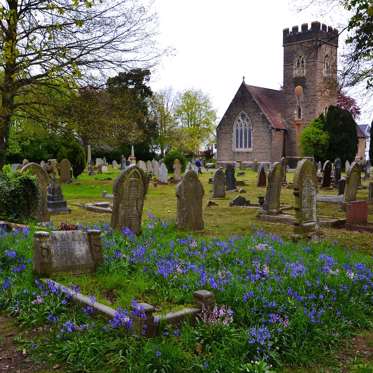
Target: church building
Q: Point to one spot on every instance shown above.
(261, 124)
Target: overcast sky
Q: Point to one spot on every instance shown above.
(217, 42)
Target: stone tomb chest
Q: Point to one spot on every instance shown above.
(67, 251)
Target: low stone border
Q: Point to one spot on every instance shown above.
(149, 325)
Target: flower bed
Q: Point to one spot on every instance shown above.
(277, 302)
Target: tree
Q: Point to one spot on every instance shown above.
(162, 108)
(348, 103)
(315, 140)
(371, 143)
(196, 117)
(47, 40)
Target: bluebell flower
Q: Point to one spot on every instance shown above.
(10, 253)
(6, 283)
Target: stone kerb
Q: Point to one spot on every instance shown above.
(305, 194)
(42, 181)
(129, 190)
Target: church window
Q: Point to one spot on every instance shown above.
(327, 69)
(242, 132)
(299, 111)
(300, 66)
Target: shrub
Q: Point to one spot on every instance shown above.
(171, 156)
(315, 140)
(17, 195)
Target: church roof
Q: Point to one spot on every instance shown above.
(271, 103)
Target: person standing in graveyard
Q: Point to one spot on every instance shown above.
(199, 166)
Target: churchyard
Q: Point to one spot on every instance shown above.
(204, 285)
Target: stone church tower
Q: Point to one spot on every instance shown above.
(310, 77)
(261, 124)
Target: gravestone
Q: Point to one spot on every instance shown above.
(337, 170)
(326, 175)
(99, 162)
(189, 193)
(305, 193)
(114, 164)
(141, 164)
(104, 168)
(163, 174)
(56, 202)
(64, 168)
(149, 167)
(177, 170)
(52, 168)
(89, 154)
(132, 157)
(43, 165)
(129, 192)
(239, 201)
(367, 167)
(347, 166)
(219, 184)
(271, 205)
(284, 168)
(370, 192)
(66, 251)
(155, 168)
(230, 178)
(353, 180)
(42, 181)
(319, 169)
(123, 162)
(262, 177)
(341, 184)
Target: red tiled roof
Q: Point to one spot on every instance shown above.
(271, 102)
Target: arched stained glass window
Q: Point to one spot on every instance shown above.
(242, 132)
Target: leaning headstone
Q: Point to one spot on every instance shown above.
(230, 178)
(64, 168)
(239, 201)
(347, 166)
(163, 174)
(262, 177)
(66, 251)
(56, 202)
(177, 170)
(42, 181)
(305, 193)
(155, 168)
(271, 205)
(353, 180)
(327, 174)
(129, 192)
(219, 184)
(189, 193)
(337, 170)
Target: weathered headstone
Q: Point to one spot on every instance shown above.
(337, 170)
(99, 162)
(129, 192)
(189, 193)
(141, 164)
(42, 181)
(155, 168)
(114, 164)
(66, 251)
(52, 168)
(104, 169)
(262, 177)
(353, 180)
(341, 184)
(327, 174)
(163, 174)
(305, 193)
(123, 162)
(230, 178)
(319, 169)
(56, 202)
(89, 154)
(219, 184)
(149, 167)
(177, 170)
(239, 201)
(271, 204)
(64, 168)
(370, 192)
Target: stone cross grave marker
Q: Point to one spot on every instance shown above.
(219, 184)
(230, 178)
(262, 177)
(327, 174)
(66, 251)
(189, 193)
(42, 181)
(64, 168)
(163, 173)
(129, 192)
(271, 204)
(177, 170)
(305, 193)
(353, 180)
